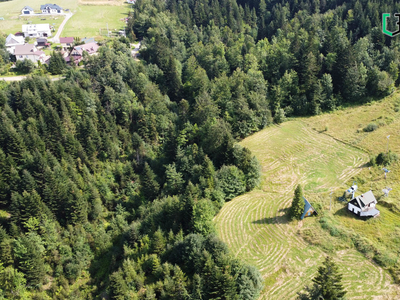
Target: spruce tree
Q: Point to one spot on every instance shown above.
(297, 208)
(327, 283)
(150, 185)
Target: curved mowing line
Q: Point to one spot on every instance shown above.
(254, 225)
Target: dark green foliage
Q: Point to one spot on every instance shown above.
(327, 283)
(297, 208)
(56, 63)
(371, 127)
(385, 159)
(231, 181)
(25, 66)
(149, 183)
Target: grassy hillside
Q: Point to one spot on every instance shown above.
(89, 16)
(288, 253)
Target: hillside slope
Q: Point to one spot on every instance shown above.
(256, 228)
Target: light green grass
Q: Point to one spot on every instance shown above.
(88, 20)
(15, 25)
(256, 228)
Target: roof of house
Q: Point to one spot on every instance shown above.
(27, 49)
(51, 6)
(66, 40)
(370, 213)
(307, 206)
(13, 40)
(88, 40)
(90, 48)
(35, 27)
(366, 198)
(28, 8)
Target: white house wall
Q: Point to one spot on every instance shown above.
(354, 208)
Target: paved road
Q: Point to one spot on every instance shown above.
(19, 78)
(56, 38)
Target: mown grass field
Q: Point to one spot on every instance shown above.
(89, 19)
(89, 16)
(287, 253)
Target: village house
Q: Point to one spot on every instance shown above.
(36, 30)
(77, 53)
(12, 41)
(29, 51)
(364, 205)
(27, 10)
(66, 42)
(51, 9)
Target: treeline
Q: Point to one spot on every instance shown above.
(304, 58)
(109, 186)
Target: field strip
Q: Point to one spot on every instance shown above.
(255, 225)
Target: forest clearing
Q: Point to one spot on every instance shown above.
(255, 225)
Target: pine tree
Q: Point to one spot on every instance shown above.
(297, 208)
(327, 283)
(150, 185)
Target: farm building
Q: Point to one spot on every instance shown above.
(51, 9)
(27, 10)
(36, 30)
(364, 205)
(42, 42)
(308, 209)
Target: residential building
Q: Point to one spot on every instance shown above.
(364, 205)
(29, 51)
(66, 42)
(77, 53)
(51, 9)
(27, 10)
(12, 41)
(36, 30)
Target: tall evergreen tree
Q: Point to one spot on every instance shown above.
(297, 208)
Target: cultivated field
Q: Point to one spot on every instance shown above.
(257, 230)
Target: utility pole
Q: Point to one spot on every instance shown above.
(388, 144)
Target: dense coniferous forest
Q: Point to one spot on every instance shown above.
(110, 179)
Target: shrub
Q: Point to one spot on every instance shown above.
(371, 127)
(231, 181)
(385, 159)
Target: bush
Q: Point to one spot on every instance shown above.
(231, 181)
(371, 127)
(25, 66)
(385, 159)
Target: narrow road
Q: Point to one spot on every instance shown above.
(19, 78)
(56, 38)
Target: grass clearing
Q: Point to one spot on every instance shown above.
(287, 253)
(89, 16)
(88, 20)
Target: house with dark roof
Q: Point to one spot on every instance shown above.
(51, 9)
(308, 209)
(29, 51)
(27, 10)
(66, 42)
(364, 205)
